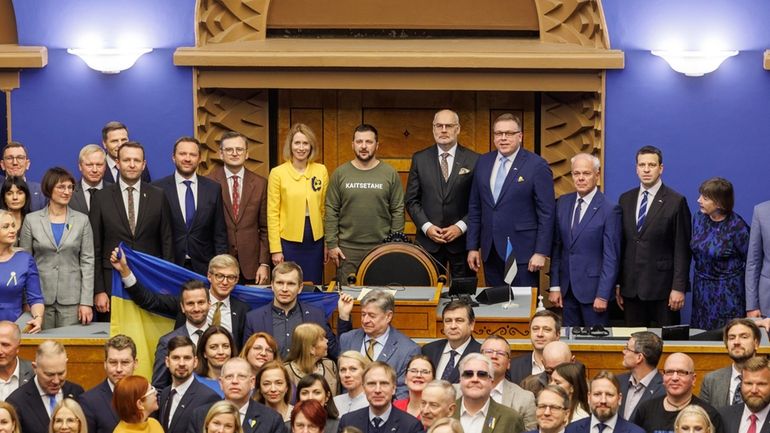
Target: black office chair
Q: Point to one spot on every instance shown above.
(397, 263)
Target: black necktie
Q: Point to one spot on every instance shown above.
(450, 366)
(91, 192)
(166, 418)
(377, 421)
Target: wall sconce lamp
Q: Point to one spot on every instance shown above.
(694, 63)
(109, 60)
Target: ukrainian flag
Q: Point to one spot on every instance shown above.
(162, 277)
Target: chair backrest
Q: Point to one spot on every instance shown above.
(397, 263)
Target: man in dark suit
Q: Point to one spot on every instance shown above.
(544, 328)
(225, 310)
(244, 195)
(723, 387)
(380, 416)
(751, 415)
(604, 399)
(445, 354)
(476, 385)
(35, 400)
(512, 199)
(437, 193)
(177, 402)
(114, 135)
(586, 248)
(10, 340)
(120, 361)
(16, 162)
(285, 313)
(92, 164)
(130, 211)
(237, 383)
(643, 381)
(378, 340)
(655, 272)
(552, 410)
(438, 398)
(197, 214)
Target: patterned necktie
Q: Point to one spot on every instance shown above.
(236, 197)
(450, 366)
(370, 348)
(91, 192)
(500, 178)
(189, 204)
(737, 397)
(753, 425)
(642, 212)
(131, 209)
(216, 320)
(445, 166)
(576, 218)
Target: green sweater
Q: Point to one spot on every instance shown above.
(363, 206)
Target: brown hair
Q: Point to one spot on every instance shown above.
(272, 365)
(720, 191)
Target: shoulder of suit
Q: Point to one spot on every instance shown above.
(250, 175)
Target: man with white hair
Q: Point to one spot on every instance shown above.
(438, 401)
(586, 248)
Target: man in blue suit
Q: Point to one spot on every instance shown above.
(512, 199)
(120, 361)
(604, 400)
(586, 248)
(380, 416)
(197, 212)
(16, 162)
(379, 341)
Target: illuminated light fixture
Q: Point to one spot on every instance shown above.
(109, 60)
(694, 63)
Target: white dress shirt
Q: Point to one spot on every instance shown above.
(381, 340)
(85, 186)
(45, 399)
(444, 360)
(180, 390)
(745, 422)
(650, 196)
(473, 423)
(610, 423)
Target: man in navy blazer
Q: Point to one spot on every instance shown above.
(280, 317)
(445, 354)
(237, 383)
(380, 416)
(120, 361)
(379, 341)
(50, 379)
(114, 135)
(511, 199)
(643, 381)
(586, 248)
(177, 402)
(197, 212)
(604, 399)
(544, 328)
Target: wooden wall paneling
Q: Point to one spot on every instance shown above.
(230, 21)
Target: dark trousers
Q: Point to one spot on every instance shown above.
(576, 314)
(457, 263)
(649, 313)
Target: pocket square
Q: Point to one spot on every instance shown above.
(463, 171)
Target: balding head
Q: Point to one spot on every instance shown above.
(678, 376)
(555, 353)
(10, 340)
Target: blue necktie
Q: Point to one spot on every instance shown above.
(642, 211)
(576, 218)
(450, 366)
(601, 426)
(52, 402)
(189, 204)
(500, 178)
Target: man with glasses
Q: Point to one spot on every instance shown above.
(658, 414)
(643, 382)
(458, 319)
(438, 401)
(91, 164)
(552, 410)
(437, 194)
(723, 387)
(604, 399)
(381, 415)
(114, 135)
(511, 203)
(237, 382)
(244, 195)
(505, 392)
(476, 410)
(16, 162)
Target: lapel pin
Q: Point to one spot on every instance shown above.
(520, 179)
(252, 423)
(491, 423)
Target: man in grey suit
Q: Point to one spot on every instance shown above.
(504, 391)
(377, 339)
(643, 381)
(758, 263)
(750, 416)
(10, 379)
(722, 387)
(92, 165)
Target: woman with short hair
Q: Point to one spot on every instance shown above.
(134, 399)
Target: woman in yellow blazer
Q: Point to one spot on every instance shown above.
(296, 191)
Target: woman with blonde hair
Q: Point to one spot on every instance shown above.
(308, 355)
(351, 373)
(446, 425)
(693, 419)
(68, 417)
(19, 278)
(223, 417)
(259, 349)
(296, 192)
(9, 418)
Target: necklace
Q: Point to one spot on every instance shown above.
(678, 407)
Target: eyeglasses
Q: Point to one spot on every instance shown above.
(64, 188)
(150, 392)
(677, 372)
(20, 158)
(238, 377)
(551, 407)
(481, 374)
(630, 349)
(234, 150)
(440, 126)
(490, 352)
(508, 134)
(222, 277)
(262, 349)
(419, 372)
